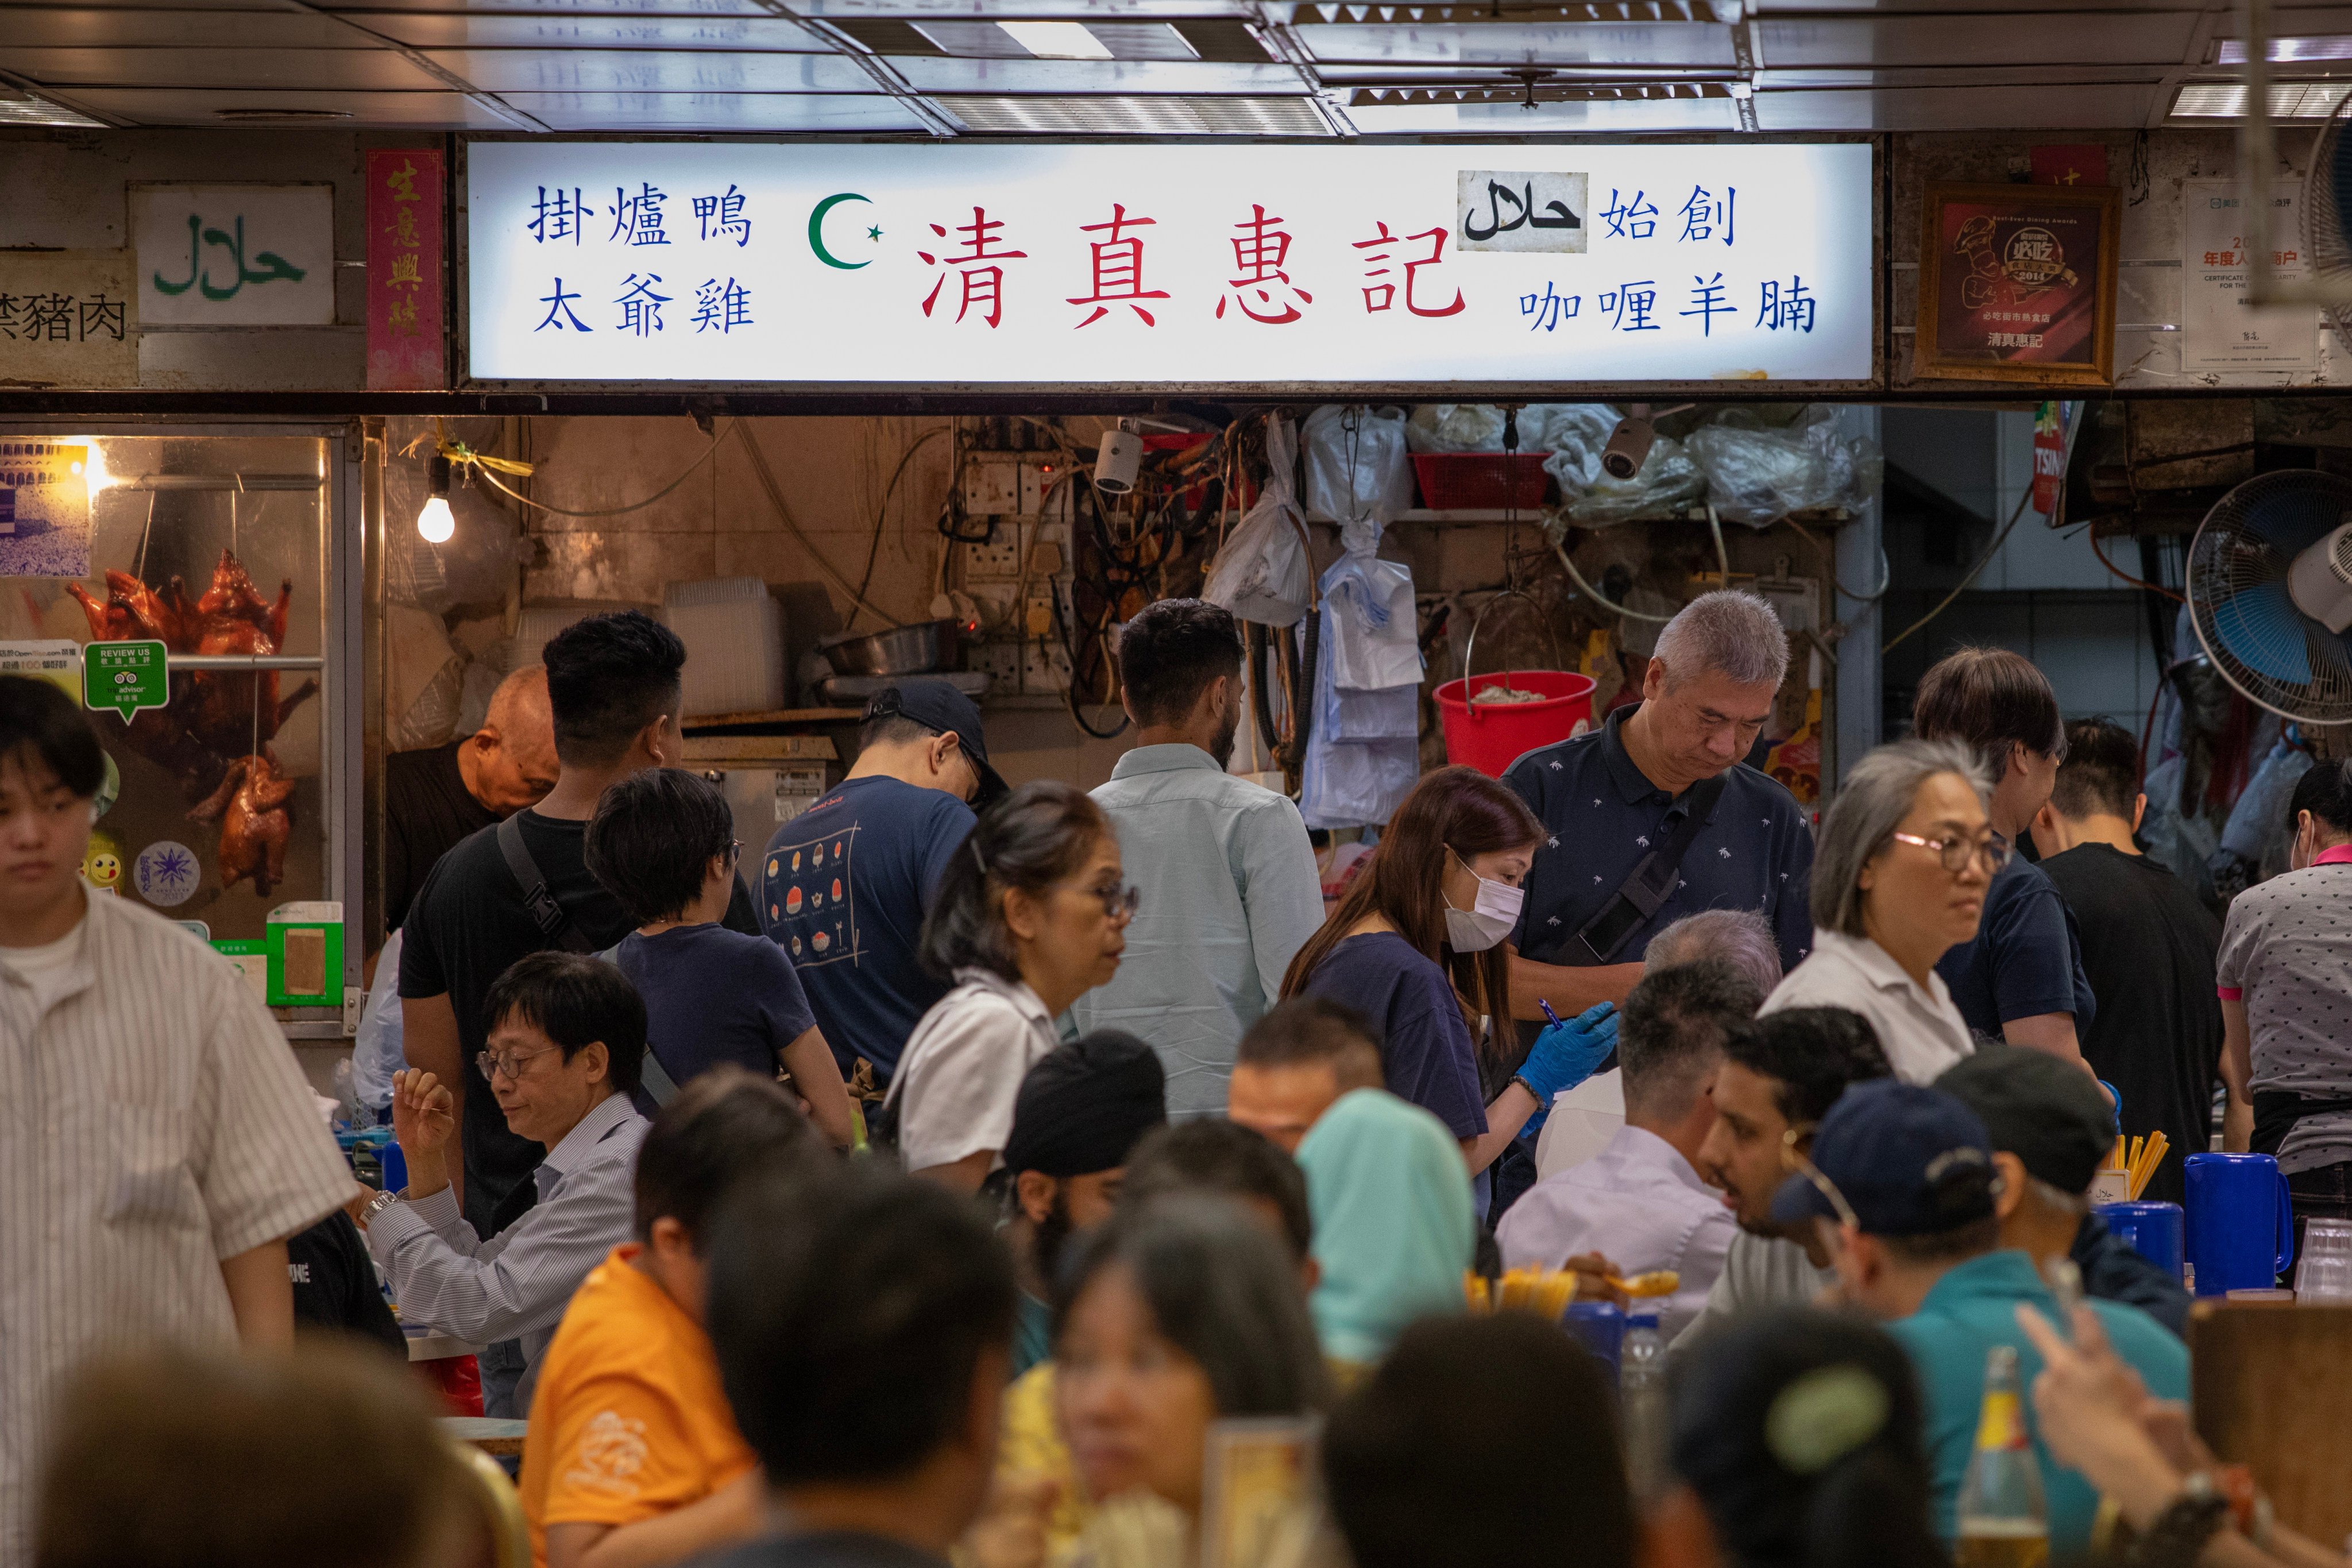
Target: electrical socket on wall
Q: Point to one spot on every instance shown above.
(999, 661)
(1044, 668)
(999, 558)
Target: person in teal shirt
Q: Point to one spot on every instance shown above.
(1902, 1182)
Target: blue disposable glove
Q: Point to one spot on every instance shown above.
(1566, 1054)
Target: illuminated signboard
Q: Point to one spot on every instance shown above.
(1177, 264)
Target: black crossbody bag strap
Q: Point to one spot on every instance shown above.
(1645, 891)
(546, 914)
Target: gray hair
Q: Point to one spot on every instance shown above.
(1740, 937)
(1871, 804)
(1735, 634)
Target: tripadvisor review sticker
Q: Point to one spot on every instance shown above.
(125, 676)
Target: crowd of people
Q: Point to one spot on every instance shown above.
(936, 1184)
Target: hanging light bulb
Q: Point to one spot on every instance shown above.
(436, 522)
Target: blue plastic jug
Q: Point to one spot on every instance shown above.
(2240, 1223)
(2154, 1230)
(1600, 1325)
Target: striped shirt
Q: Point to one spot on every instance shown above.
(152, 1122)
(516, 1284)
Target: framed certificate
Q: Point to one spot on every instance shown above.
(2017, 283)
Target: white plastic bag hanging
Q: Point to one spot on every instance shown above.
(1369, 640)
(1357, 463)
(1262, 573)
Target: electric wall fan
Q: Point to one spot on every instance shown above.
(2327, 205)
(2270, 593)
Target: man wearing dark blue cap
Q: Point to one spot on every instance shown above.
(843, 886)
(1903, 1183)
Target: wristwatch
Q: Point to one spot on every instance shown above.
(2177, 1537)
(376, 1205)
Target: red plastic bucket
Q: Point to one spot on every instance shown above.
(1491, 736)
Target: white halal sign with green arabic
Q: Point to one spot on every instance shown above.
(235, 255)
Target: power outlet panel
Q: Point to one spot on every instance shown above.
(999, 661)
(1000, 558)
(993, 484)
(1001, 615)
(1044, 668)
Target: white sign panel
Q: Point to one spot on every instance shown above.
(235, 255)
(1178, 265)
(2219, 331)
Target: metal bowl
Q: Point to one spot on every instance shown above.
(916, 649)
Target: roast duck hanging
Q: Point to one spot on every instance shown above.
(215, 734)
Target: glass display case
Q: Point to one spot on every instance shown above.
(234, 804)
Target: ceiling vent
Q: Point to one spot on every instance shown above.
(1489, 13)
(2289, 99)
(1134, 115)
(280, 116)
(1627, 93)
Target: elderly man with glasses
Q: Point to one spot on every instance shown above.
(566, 1043)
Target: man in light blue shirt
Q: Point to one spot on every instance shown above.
(1904, 1195)
(1230, 888)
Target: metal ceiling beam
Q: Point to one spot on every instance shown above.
(432, 68)
(935, 121)
(1271, 26)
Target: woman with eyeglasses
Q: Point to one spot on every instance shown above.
(663, 843)
(1030, 915)
(1416, 945)
(1899, 878)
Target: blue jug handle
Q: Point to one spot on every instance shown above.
(2285, 1224)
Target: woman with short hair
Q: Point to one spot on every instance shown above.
(1899, 880)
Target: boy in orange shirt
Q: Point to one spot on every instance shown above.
(634, 1456)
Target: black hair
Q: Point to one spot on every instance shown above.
(1211, 1154)
(1473, 1438)
(2324, 790)
(1989, 698)
(1969, 1187)
(654, 836)
(574, 1000)
(1811, 1054)
(1799, 1430)
(608, 676)
(1676, 1020)
(1031, 839)
(893, 729)
(851, 1307)
(2101, 772)
(38, 722)
(1220, 1288)
(726, 1122)
(1306, 1031)
(1170, 652)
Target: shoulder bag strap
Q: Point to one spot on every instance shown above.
(1645, 891)
(652, 1076)
(553, 924)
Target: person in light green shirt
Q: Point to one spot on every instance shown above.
(1902, 1184)
(1230, 891)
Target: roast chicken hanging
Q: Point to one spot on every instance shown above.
(254, 805)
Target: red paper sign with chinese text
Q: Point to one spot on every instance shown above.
(2070, 165)
(407, 320)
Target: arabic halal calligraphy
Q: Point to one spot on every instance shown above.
(268, 266)
(1501, 210)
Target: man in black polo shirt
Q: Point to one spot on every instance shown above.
(1663, 775)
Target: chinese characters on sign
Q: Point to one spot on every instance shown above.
(2018, 283)
(2219, 331)
(235, 255)
(1072, 265)
(405, 346)
(66, 319)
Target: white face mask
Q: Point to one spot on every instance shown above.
(1492, 917)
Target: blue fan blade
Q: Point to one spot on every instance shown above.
(2292, 517)
(2262, 627)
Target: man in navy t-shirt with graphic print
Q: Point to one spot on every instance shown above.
(844, 886)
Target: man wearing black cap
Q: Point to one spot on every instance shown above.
(1903, 1185)
(1082, 1108)
(843, 886)
(2052, 1127)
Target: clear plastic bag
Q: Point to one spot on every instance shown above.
(1457, 427)
(1357, 463)
(1758, 474)
(1577, 433)
(1262, 573)
(1370, 641)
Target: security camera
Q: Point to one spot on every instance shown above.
(1118, 461)
(1629, 443)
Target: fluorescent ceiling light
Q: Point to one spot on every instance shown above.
(18, 108)
(2232, 51)
(1135, 115)
(1057, 40)
(2289, 99)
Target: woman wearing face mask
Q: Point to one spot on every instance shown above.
(1416, 946)
(1030, 915)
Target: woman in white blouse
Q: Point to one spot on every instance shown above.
(1029, 916)
(1899, 878)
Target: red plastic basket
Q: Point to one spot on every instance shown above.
(1465, 480)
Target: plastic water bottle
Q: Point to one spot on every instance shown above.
(347, 1096)
(1642, 1405)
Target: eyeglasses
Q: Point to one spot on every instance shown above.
(1811, 1172)
(1958, 853)
(509, 1064)
(1119, 903)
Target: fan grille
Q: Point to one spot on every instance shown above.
(2327, 196)
(2265, 646)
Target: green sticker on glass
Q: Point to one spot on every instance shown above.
(125, 676)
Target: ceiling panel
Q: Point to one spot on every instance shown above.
(1086, 10)
(311, 69)
(937, 73)
(2151, 37)
(568, 8)
(457, 30)
(1693, 114)
(714, 111)
(23, 27)
(652, 70)
(1232, 115)
(188, 106)
(2082, 107)
(1609, 43)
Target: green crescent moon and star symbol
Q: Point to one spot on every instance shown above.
(816, 231)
